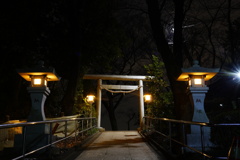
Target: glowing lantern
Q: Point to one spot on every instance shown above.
(39, 75)
(90, 99)
(196, 75)
(147, 98)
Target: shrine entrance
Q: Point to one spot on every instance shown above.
(118, 89)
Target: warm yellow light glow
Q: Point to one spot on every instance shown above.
(45, 82)
(197, 81)
(189, 82)
(37, 81)
(90, 98)
(147, 97)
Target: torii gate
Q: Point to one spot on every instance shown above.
(131, 88)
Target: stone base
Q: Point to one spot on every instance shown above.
(32, 142)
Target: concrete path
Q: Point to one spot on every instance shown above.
(119, 145)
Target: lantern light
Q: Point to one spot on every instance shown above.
(147, 98)
(196, 81)
(39, 75)
(90, 98)
(196, 75)
(38, 81)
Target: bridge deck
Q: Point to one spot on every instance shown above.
(119, 145)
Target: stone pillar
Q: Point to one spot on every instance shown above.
(38, 98)
(197, 97)
(36, 135)
(141, 102)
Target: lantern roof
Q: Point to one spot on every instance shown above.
(197, 70)
(39, 70)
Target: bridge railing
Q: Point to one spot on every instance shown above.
(61, 134)
(170, 134)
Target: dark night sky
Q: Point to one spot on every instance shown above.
(54, 31)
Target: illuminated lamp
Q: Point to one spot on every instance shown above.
(90, 99)
(39, 75)
(38, 81)
(196, 81)
(196, 75)
(147, 98)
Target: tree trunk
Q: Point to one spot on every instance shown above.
(113, 119)
(111, 112)
(111, 106)
(172, 61)
(68, 99)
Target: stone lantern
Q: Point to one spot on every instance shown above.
(38, 76)
(196, 77)
(36, 135)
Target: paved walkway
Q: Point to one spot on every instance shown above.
(119, 145)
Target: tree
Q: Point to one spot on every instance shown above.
(66, 35)
(173, 60)
(162, 105)
(199, 28)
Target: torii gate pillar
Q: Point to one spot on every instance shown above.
(141, 102)
(99, 100)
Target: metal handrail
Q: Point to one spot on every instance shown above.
(3, 126)
(181, 121)
(169, 136)
(50, 134)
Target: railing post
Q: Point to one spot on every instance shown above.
(91, 123)
(95, 122)
(160, 125)
(75, 131)
(82, 128)
(65, 134)
(87, 123)
(147, 121)
(24, 141)
(50, 134)
(150, 123)
(202, 140)
(144, 123)
(50, 137)
(170, 135)
(183, 137)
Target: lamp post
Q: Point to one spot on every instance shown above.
(90, 100)
(196, 77)
(38, 76)
(147, 99)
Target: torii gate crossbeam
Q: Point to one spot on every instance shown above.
(140, 80)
